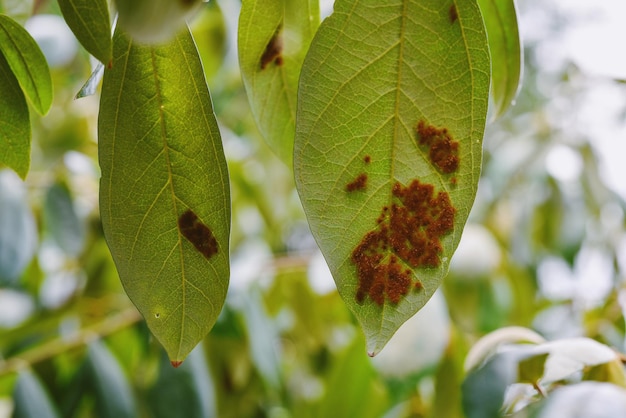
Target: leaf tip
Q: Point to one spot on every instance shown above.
(176, 363)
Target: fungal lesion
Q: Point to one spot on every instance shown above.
(198, 234)
(359, 183)
(274, 50)
(453, 15)
(442, 149)
(407, 236)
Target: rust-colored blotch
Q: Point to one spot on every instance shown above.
(273, 51)
(197, 233)
(176, 363)
(359, 183)
(453, 14)
(407, 236)
(367, 159)
(443, 150)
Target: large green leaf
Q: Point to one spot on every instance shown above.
(14, 123)
(27, 63)
(164, 193)
(274, 36)
(90, 22)
(391, 115)
(506, 51)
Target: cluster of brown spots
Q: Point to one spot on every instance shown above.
(197, 233)
(453, 14)
(359, 183)
(443, 151)
(273, 51)
(407, 236)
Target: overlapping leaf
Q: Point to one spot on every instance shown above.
(391, 113)
(164, 195)
(27, 63)
(506, 52)
(90, 22)
(274, 36)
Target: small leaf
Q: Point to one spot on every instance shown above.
(17, 220)
(164, 192)
(388, 149)
(27, 63)
(31, 398)
(91, 24)
(66, 229)
(113, 391)
(274, 36)
(14, 123)
(90, 86)
(530, 369)
(506, 52)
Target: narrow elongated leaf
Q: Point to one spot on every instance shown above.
(164, 193)
(14, 123)
(27, 63)
(274, 36)
(91, 24)
(31, 398)
(391, 114)
(506, 52)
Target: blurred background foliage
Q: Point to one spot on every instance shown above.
(545, 248)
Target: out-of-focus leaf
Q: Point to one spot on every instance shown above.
(164, 195)
(209, 33)
(90, 86)
(388, 149)
(91, 24)
(114, 396)
(31, 398)
(531, 369)
(14, 123)
(584, 400)
(185, 392)
(62, 221)
(506, 51)
(20, 10)
(27, 63)
(18, 232)
(274, 36)
(611, 372)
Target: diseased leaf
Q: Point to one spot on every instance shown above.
(27, 63)
(14, 123)
(31, 398)
(91, 24)
(500, 19)
(274, 36)
(391, 113)
(164, 192)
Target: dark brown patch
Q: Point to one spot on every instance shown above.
(407, 236)
(176, 363)
(197, 233)
(453, 181)
(443, 151)
(367, 159)
(273, 51)
(453, 14)
(359, 183)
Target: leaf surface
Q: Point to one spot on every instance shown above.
(274, 36)
(500, 19)
(164, 192)
(31, 398)
(14, 123)
(27, 63)
(91, 24)
(391, 113)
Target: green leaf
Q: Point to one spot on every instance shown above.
(27, 63)
(90, 86)
(113, 391)
(31, 398)
(506, 51)
(394, 121)
(274, 36)
(14, 123)
(531, 369)
(91, 24)
(66, 229)
(164, 192)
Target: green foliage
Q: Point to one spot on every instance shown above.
(358, 118)
(90, 22)
(164, 194)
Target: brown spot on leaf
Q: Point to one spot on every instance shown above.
(367, 159)
(453, 14)
(407, 236)
(176, 363)
(443, 150)
(197, 233)
(359, 183)
(273, 51)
